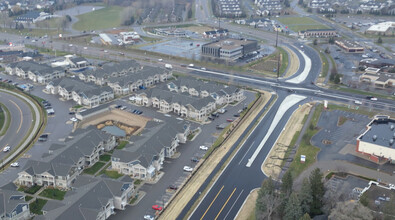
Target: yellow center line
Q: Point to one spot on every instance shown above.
(20, 111)
(212, 203)
(225, 204)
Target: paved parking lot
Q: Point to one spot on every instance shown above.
(177, 47)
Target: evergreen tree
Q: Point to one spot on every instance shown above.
(315, 42)
(267, 200)
(293, 211)
(286, 186)
(317, 191)
(305, 196)
(190, 13)
(379, 41)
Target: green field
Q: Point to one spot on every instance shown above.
(100, 19)
(301, 23)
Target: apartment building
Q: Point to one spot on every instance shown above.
(318, 33)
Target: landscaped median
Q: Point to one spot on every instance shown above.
(4, 119)
(207, 166)
(38, 125)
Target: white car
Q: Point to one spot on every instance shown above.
(148, 217)
(85, 48)
(203, 147)
(123, 107)
(105, 51)
(373, 99)
(73, 119)
(203, 68)
(188, 169)
(15, 164)
(7, 148)
(70, 45)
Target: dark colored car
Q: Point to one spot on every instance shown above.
(71, 113)
(43, 137)
(211, 118)
(237, 115)
(118, 106)
(173, 187)
(215, 114)
(195, 159)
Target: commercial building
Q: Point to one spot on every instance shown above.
(349, 47)
(318, 33)
(32, 17)
(216, 33)
(384, 28)
(229, 48)
(379, 80)
(172, 32)
(378, 140)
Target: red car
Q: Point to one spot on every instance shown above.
(157, 207)
(229, 120)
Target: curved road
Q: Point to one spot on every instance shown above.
(21, 118)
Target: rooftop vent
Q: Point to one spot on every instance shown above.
(374, 137)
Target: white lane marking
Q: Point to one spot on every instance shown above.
(287, 103)
(303, 75)
(247, 152)
(234, 204)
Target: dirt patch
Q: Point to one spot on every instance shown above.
(127, 121)
(187, 192)
(267, 64)
(272, 164)
(293, 63)
(249, 206)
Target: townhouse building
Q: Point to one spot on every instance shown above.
(143, 78)
(12, 204)
(91, 198)
(100, 76)
(223, 94)
(77, 153)
(143, 157)
(39, 73)
(195, 108)
(82, 93)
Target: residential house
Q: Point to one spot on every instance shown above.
(12, 204)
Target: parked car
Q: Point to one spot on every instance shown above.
(195, 159)
(188, 169)
(148, 217)
(229, 120)
(123, 107)
(173, 187)
(118, 106)
(215, 114)
(73, 119)
(202, 147)
(7, 148)
(237, 115)
(15, 164)
(43, 137)
(157, 207)
(211, 118)
(71, 113)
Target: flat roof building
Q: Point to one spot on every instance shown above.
(318, 33)
(378, 140)
(349, 47)
(229, 48)
(384, 28)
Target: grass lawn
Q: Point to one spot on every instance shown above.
(33, 32)
(3, 123)
(2, 115)
(122, 145)
(269, 63)
(32, 189)
(301, 23)
(93, 169)
(53, 194)
(112, 174)
(28, 198)
(305, 148)
(100, 19)
(36, 206)
(105, 157)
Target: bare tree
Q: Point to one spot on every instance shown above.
(350, 210)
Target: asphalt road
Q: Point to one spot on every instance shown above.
(21, 120)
